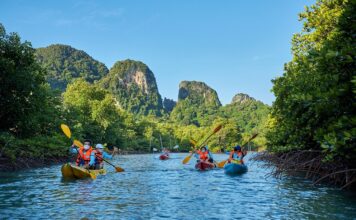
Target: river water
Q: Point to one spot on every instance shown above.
(154, 189)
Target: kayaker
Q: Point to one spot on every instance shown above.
(204, 155)
(165, 151)
(211, 159)
(83, 153)
(236, 155)
(96, 157)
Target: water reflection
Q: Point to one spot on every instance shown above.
(154, 189)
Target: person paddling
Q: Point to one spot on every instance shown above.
(96, 157)
(236, 155)
(83, 154)
(204, 155)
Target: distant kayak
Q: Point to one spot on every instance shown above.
(204, 166)
(164, 157)
(234, 168)
(75, 172)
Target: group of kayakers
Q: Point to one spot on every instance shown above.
(203, 154)
(89, 157)
(92, 158)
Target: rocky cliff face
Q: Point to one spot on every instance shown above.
(241, 98)
(134, 86)
(198, 93)
(65, 63)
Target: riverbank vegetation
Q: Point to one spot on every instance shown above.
(312, 125)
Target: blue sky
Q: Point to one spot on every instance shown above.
(233, 46)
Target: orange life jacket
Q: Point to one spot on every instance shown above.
(203, 155)
(98, 157)
(83, 158)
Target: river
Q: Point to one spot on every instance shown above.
(154, 189)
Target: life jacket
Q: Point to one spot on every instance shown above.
(203, 155)
(98, 157)
(83, 158)
(237, 156)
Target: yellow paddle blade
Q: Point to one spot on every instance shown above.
(187, 159)
(92, 175)
(119, 169)
(193, 142)
(221, 164)
(78, 143)
(66, 130)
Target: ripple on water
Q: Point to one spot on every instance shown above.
(154, 189)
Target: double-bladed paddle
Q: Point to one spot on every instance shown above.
(187, 159)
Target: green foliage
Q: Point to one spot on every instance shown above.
(197, 104)
(64, 64)
(134, 86)
(315, 103)
(30, 111)
(92, 112)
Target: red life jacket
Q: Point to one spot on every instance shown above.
(83, 157)
(203, 155)
(98, 157)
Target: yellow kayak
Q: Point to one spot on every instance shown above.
(75, 172)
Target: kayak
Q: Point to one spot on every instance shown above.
(204, 166)
(234, 168)
(75, 172)
(164, 157)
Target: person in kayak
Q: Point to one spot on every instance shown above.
(165, 151)
(236, 155)
(83, 153)
(96, 157)
(204, 155)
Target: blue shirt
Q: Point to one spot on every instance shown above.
(93, 158)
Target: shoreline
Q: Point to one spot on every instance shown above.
(8, 165)
(310, 164)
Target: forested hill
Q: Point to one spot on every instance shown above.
(134, 86)
(197, 103)
(64, 63)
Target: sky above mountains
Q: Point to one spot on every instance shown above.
(233, 46)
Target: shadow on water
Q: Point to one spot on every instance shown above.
(154, 189)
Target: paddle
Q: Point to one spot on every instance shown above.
(222, 163)
(117, 168)
(187, 159)
(68, 133)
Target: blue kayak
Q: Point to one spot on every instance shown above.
(233, 168)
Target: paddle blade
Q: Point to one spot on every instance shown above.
(221, 164)
(119, 169)
(66, 130)
(217, 129)
(193, 142)
(92, 175)
(78, 143)
(253, 136)
(187, 159)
